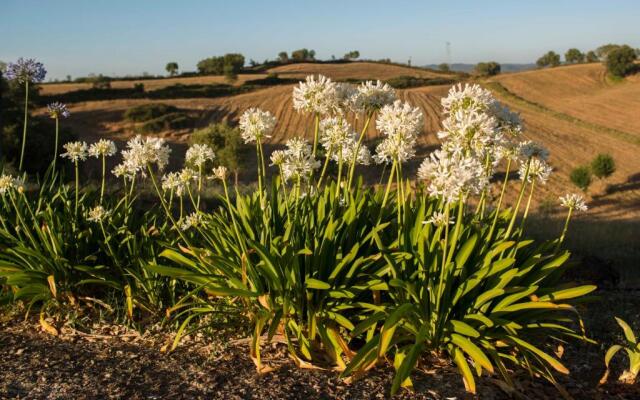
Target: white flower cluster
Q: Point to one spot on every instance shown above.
(537, 169)
(316, 95)
(400, 123)
(141, 153)
(340, 142)
(98, 214)
(574, 202)
(439, 219)
(370, 96)
(451, 176)
(198, 155)
(102, 148)
(193, 220)
(299, 162)
(75, 151)
(8, 182)
(256, 124)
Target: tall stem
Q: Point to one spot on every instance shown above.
(504, 187)
(77, 187)
(104, 176)
(315, 134)
(386, 192)
(199, 186)
(526, 210)
(564, 231)
(324, 167)
(352, 168)
(24, 127)
(55, 147)
(515, 212)
(164, 205)
(260, 170)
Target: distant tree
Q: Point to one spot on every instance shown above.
(490, 68)
(303, 55)
(352, 55)
(216, 65)
(229, 73)
(620, 61)
(283, 57)
(581, 177)
(603, 166)
(235, 60)
(253, 62)
(100, 82)
(592, 56)
(550, 59)
(172, 68)
(333, 57)
(603, 51)
(573, 56)
(444, 67)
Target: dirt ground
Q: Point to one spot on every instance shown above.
(115, 362)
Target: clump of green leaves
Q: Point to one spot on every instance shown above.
(603, 166)
(581, 177)
(632, 348)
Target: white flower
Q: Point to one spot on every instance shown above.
(333, 132)
(102, 147)
(452, 175)
(278, 157)
(467, 97)
(192, 221)
(171, 182)
(345, 96)
(198, 155)
(530, 149)
(121, 170)
(142, 153)
(316, 96)
(372, 96)
(220, 173)
(348, 153)
(98, 214)
(256, 124)
(401, 124)
(187, 175)
(8, 182)
(538, 169)
(439, 219)
(76, 151)
(574, 202)
(299, 161)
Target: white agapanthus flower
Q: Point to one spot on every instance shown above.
(198, 155)
(345, 96)
(348, 152)
(452, 175)
(171, 182)
(299, 160)
(538, 170)
(143, 152)
(333, 132)
(439, 219)
(98, 214)
(122, 171)
(467, 97)
(530, 149)
(7, 182)
(103, 148)
(278, 157)
(220, 172)
(401, 124)
(316, 96)
(372, 96)
(574, 202)
(256, 124)
(193, 220)
(75, 151)
(187, 175)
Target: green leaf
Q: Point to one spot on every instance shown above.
(313, 283)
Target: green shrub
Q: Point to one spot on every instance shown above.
(550, 59)
(487, 69)
(603, 166)
(573, 56)
(225, 141)
(405, 82)
(581, 177)
(147, 112)
(620, 61)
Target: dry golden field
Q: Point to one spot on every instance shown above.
(355, 70)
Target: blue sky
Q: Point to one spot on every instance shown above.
(120, 37)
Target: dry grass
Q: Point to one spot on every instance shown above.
(356, 70)
(581, 91)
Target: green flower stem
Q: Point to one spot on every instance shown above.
(324, 167)
(284, 190)
(24, 127)
(260, 170)
(199, 187)
(316, 129)
(234, 222)
(340, 165)
(456, 231)
(55, 147)
(564, 231)
(526, 210)
(445, 244)
(77, 187)
(193, 202)
(386, 192)
(497, 212)
(352, 168)
(515, 211)
(106, 241)
(104, 176)
(164, 205)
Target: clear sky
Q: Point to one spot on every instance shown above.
(119, 37)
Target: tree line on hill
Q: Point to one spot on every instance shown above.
(619, 59)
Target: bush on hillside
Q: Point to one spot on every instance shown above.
(148, 112)
(487, 68)
(225, 141)
(592, 57)
(620, 61)
(581, 177)
(405, 81)
(573, 56)
(603, 166)
(550, 59)
(233, 62)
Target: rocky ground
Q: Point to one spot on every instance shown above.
(115, 362)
